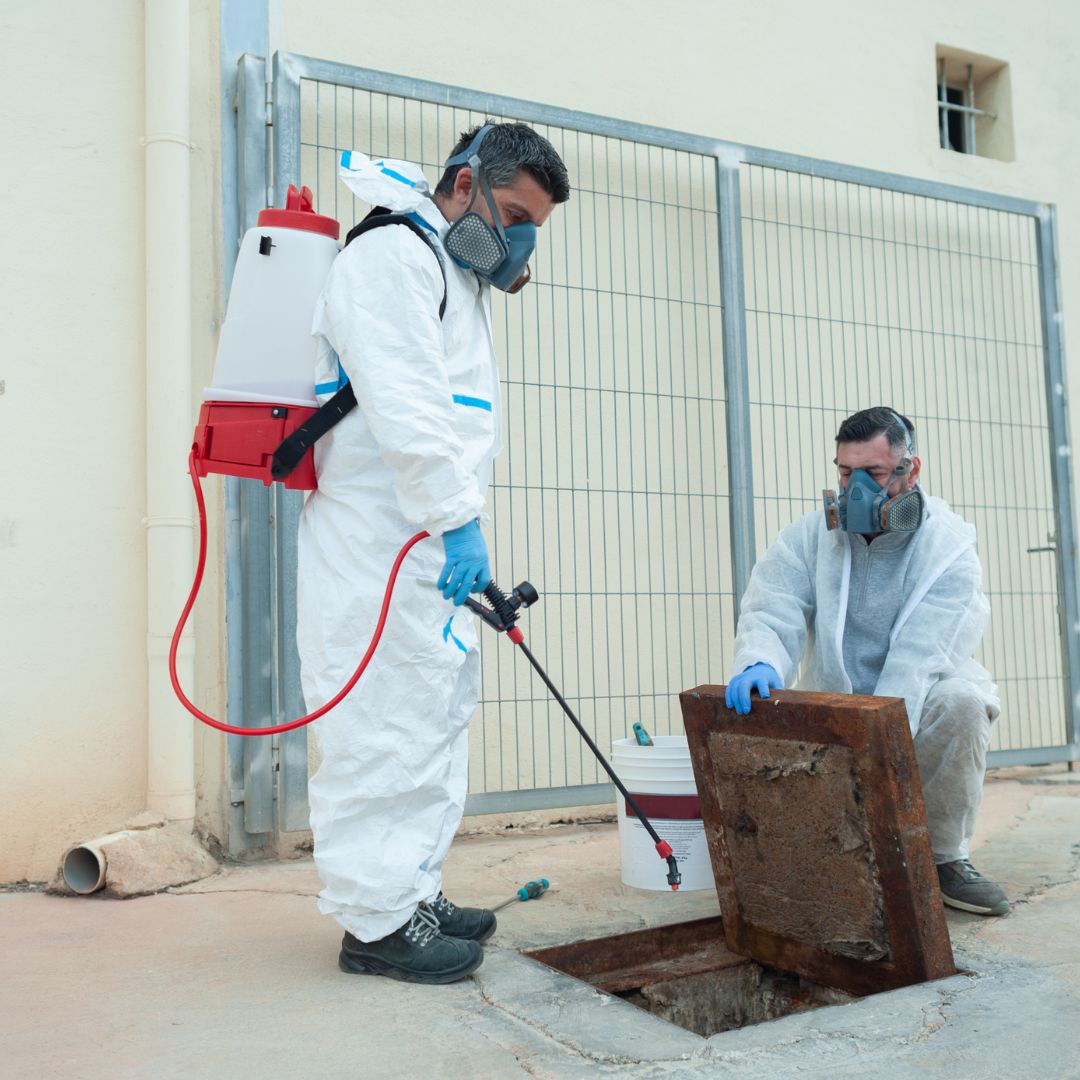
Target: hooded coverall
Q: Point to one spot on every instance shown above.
(415, 454)
(903, 615)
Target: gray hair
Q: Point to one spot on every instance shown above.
(508, 149)
(868, 424)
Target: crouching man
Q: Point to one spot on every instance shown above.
(881, 594)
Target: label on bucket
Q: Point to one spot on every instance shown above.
(670, 807)
(677, 819)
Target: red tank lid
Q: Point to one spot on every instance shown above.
(299, 213)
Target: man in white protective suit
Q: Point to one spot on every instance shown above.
(405, 317)
(882, 594)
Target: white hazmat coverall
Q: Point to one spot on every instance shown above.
(415, 454)
(793, 617)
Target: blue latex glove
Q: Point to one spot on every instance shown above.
(759, 677)
(467, 569)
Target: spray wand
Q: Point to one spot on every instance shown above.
(502, 617)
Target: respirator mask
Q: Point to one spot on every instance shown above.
(498, 254)
(864, 506)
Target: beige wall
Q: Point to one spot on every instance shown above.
(72, 437)
(839, 79)
(72, 634)
(845, 81)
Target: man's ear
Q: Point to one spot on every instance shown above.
(914, 470)
(463, 182)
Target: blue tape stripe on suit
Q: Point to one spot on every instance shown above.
(473, 402)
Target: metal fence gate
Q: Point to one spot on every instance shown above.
(701, 317)
(858, 293)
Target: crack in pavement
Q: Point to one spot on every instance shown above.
(523, 1065)
(544, 1032)
(180, 890)
(936, 1015)
(1042, 887)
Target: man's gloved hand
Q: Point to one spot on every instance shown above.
(759, 677)
(467, 569)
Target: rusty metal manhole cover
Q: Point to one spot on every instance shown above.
(818, 839)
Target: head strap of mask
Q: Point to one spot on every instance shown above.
(863, 506)
(497, 254)
(471, 156)
(904, 466)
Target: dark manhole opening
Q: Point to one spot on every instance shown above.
(685, 974)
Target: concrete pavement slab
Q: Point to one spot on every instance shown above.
(235, 977)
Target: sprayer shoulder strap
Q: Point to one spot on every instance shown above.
(291, 450)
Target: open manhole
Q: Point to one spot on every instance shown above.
(819, 847)
(685, 974)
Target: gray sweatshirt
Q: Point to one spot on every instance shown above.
(875, 597)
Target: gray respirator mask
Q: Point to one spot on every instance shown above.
(496, 253)
(864, 506)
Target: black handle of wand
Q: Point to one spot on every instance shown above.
(588, 740)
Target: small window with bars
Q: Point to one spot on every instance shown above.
(973, 104)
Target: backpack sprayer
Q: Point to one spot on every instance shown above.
(260, 419)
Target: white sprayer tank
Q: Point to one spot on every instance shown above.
(266, 352)
(661, 780)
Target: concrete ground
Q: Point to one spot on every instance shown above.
(236, 976)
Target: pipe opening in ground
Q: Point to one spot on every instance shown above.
(83, 870)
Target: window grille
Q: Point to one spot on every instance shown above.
(957, 112)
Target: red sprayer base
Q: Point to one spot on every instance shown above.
(238, 438)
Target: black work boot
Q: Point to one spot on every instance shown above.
(416, 952)
(469, 923)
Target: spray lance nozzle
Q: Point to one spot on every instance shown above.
(674, 878)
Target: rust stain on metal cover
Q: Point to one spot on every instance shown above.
(818, 838)
(778, 797)
(644, 957)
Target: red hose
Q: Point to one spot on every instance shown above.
(277, 729)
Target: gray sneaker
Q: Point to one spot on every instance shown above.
(416, 952)
(963, 887)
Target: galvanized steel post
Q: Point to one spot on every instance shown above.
(292, 746)
(736, 378)
(247, 610)
(1061, 468)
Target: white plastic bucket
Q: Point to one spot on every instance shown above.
(661, 780)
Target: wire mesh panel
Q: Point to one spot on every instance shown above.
(858, 295)
(610, 494)
(651, 447)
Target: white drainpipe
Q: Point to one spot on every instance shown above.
(169, 422)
